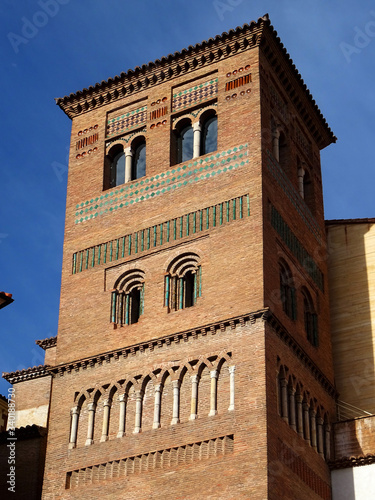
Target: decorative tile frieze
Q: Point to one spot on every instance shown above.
(158, 235)
(124, 122)
(177, 177)
(195, 95)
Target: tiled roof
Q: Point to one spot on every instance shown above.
(26, 374)
(46, 343)
(5, 299)
(22, 433)
(173, 65)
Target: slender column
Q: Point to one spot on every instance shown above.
(156, 423)
(327, 451)
(90, 429)
(301, 175)
(275, 143)
(306, 419)
(213, 399)
(128, 164)
(232, 369)
(138, 411)
(194, 397)
(284, 399)
(319, 423)
(299, 415)
(121, 424)
(292, 408)
(313, 428)
(176, 402)
(197, 140)
(105, 428)
(74, 412)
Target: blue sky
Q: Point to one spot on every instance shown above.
(50, 48)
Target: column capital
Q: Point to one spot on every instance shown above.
(232, 368)
(214, 374)
(75, 410)
(91, 406)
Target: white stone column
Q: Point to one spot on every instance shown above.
(213, 398)
(313, 428)
(105, 427)
(194, 397)
(138, 411)
(232, 369)
(176, 402)
(90, 429)
(292, 408)
(275, 143)
(128, 164)
(156, 423)
(299, 415)
(74, 412)
(197, 140)
(121, 424)
(284, 399)
(306, 419)
(320, 439)
(301, 175)
(327, 441)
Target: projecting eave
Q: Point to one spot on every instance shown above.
(26, 374)
(201, 55)
(337, 222)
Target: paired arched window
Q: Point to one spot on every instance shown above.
(185, 142)
(127, 302)
(287, 290)
(191, 140)
(125, 164)
(209, 133)
(310, 318)
(183, 282)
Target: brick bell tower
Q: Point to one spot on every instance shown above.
(193, 351)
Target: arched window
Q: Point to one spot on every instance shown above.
(185, 142)
(209, 135)
(287, 290)
(124, 165)
(310, 318)
(139, 159)
(127, 302)
(114, 169)
(183, 282)
(283, 152)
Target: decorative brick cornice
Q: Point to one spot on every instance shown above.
(201, 55)
(180, 63)
(287, 338)
(184, 336)
(348, 462)
(23, 433)
(47, 343)
(27, 374)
